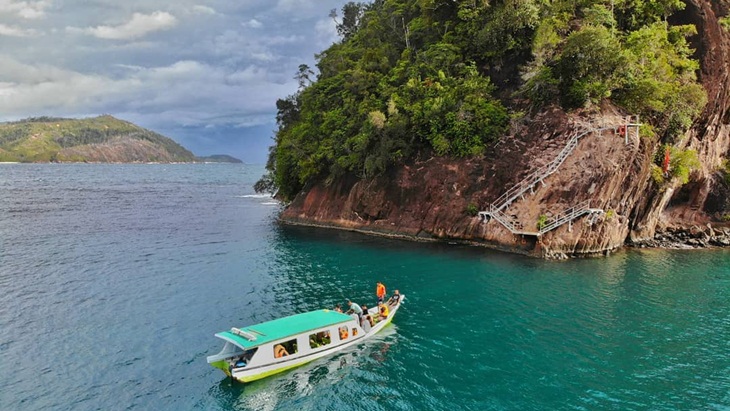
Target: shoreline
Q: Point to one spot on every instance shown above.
(692, 238)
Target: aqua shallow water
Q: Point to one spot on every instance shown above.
(113, 280)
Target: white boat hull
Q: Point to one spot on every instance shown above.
(248, 374)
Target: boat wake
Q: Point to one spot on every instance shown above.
(317, 380)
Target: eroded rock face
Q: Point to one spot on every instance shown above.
(435, 198)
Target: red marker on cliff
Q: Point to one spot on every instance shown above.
(665, 164)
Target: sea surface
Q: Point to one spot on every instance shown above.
(115, 278)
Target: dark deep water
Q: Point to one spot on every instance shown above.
(114, 278)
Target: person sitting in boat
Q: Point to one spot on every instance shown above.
(383, 310)
(319, 339)
(354, 309)
(365, 323)
(367, 317)
(239, 362)
(380, 292)
(343, 333)
(395, 298)
(338, 308)
(280, 351)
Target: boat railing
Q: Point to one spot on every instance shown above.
(243, 334)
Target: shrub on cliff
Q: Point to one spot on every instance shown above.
(681, 164)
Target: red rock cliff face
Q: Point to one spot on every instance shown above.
(435, 198)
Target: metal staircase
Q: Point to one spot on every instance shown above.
(569, 215)
(495, 210)
(529, 182)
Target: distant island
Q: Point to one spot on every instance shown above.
(219, 158)
(102, 139)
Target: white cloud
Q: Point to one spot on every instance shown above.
(326, 30)
(24, 9)
(203, 9)
(248, 75)
(289, 6)
(13, 31)
(236, 47)
(139, 26)
(186, 88)
(253, 24)
(279, 40)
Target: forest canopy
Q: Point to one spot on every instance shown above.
(443, 76)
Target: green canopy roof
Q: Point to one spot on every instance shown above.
(285, 327)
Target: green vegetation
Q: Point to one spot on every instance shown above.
(542, 221)
(472, 210)
(725, 22)
(442, 77)
(43, 139)
(682, 163)
(610, 214)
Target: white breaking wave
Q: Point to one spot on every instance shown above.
(270, 203)
(255, 196)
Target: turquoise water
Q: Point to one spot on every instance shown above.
(113, 280)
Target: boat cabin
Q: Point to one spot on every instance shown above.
(284, 340)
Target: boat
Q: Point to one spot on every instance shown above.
(258, 351)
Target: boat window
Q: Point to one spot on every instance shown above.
(354, 331)
(285, 348)
(319, 339)
(244, 358)
(343, 333)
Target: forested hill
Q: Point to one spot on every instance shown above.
(484, 121)
(102, 139)
(448, 78)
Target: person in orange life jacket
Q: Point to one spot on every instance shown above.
(380, 292)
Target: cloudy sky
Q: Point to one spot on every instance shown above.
(206, 73)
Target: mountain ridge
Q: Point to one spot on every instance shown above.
(101, 139)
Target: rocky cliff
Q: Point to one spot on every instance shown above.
(433, 197)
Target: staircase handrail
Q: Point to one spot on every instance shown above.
(504, 220)
(540, 174)
(569, 214)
